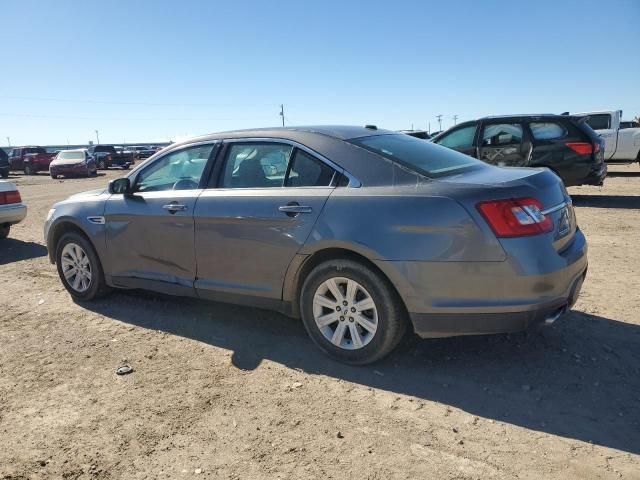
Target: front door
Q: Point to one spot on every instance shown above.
(504, 145)
(150, 232)
(259, 214)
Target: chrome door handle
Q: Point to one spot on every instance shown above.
(174, 207)
(294, 209)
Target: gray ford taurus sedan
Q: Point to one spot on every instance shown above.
(361, 232)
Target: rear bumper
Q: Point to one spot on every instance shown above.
(14, 213)
(534, 284)
(597, 175)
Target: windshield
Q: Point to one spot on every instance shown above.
(420, 155)
(78, 155)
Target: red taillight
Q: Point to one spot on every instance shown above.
(581, 148)
(109, 158)
(10, 197)
(515, 217)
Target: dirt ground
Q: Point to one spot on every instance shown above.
(223, 391)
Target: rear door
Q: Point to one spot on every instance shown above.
(504, 143)
(256, 216)
(150, 232)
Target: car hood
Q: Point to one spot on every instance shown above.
(67, 162)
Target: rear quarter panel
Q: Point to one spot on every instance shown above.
(400, 224)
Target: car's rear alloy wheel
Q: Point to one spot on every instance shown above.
(351, 311)
(345, 313)
(28, 170)
(79, 267)
(102, 165)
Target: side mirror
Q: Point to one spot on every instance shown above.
(120, 185)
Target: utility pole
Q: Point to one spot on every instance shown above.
(428, 127)
(455, 119)
(98, 137)
(439, 117)
(8, 142)
(282, 113)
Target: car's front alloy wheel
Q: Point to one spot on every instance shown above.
(76, 267)
(351, 311)
(79, 267)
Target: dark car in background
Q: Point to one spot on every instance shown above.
(4, 164)
(565, 144)
(141, 152)
(73, 163)
(423, 134)
(107, 156)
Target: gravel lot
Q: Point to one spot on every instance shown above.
(223, 391)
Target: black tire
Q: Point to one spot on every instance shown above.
(29, 170)
(102, 164)
(54, 176)
(97, 287)
(5, 174)
(4, 231)
(125, 167)
(392, 320)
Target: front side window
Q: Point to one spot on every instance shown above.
(307, 171)
(180, 170)
(547, 130)
(256, 165)
(502, 134)
(424, 157)
(459, 139)
(600, 122)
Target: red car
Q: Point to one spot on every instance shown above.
(31, 160)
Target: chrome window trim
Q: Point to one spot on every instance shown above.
(133, 175)
(353, 181)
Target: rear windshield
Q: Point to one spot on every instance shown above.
(71, 156)
(34, 150)
(419, 155)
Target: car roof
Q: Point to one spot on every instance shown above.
(340, 132)
(73, 150)
(522, 115)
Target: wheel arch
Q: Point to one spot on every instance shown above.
(292, 291)
(66, 226)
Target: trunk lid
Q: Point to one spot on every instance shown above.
(494, 183)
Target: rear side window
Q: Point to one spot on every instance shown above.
(547, 130)
(307, 171)
(502, 134)
(256, 165)
(601, 121)
(459, 139)
(424, 157)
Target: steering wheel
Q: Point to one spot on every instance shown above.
(185, 184)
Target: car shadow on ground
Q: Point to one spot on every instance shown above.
(606, 201)
(579, 379)
(623, 174)
(12, 250)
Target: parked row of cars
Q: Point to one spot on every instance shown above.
(362, 233)
(34, 159)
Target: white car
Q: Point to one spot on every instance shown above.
(621, 145)
(12, 210)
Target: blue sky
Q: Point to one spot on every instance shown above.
(151, 70)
